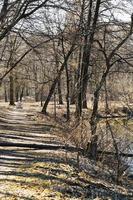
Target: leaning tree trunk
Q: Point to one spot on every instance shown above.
(53, 86)
(51, 92)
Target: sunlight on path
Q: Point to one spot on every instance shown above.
(16, 126)
(38, 174)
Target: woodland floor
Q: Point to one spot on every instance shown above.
(28, 173)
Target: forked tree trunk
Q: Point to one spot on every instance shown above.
(83, 76)
(88, 42)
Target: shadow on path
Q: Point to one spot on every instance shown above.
(25, 171)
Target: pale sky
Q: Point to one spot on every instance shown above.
(126, 6)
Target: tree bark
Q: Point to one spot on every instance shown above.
(53, 86)
(17, 94)
(73, 82)
(83, 78)
(59, 92)
(92, 146)
(85, 102)
(94, 116)
(88, 42)
(42, 95)
(78, 96)
(5, 91)
(12, 103)
(22, 93)
(68, 93)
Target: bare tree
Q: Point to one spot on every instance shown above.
(110, 59)
(89, 32)
(12, 12)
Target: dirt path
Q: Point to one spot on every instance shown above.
(38, 174)
(21, 128)
(18, 127)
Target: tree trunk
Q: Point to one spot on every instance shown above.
(12, 103)
(83, 76)
(22, 93)
(78, 96)
(73, 82)
(88, 42)
(59, 92)
(56, 55)
(53, 86)
(55, 104)
(85, 102)
(42, 96)
(5, 92)
(92, 146)
(17, 94)
(27, 91)
(36, 94)
(67, 95)
(51, 91)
